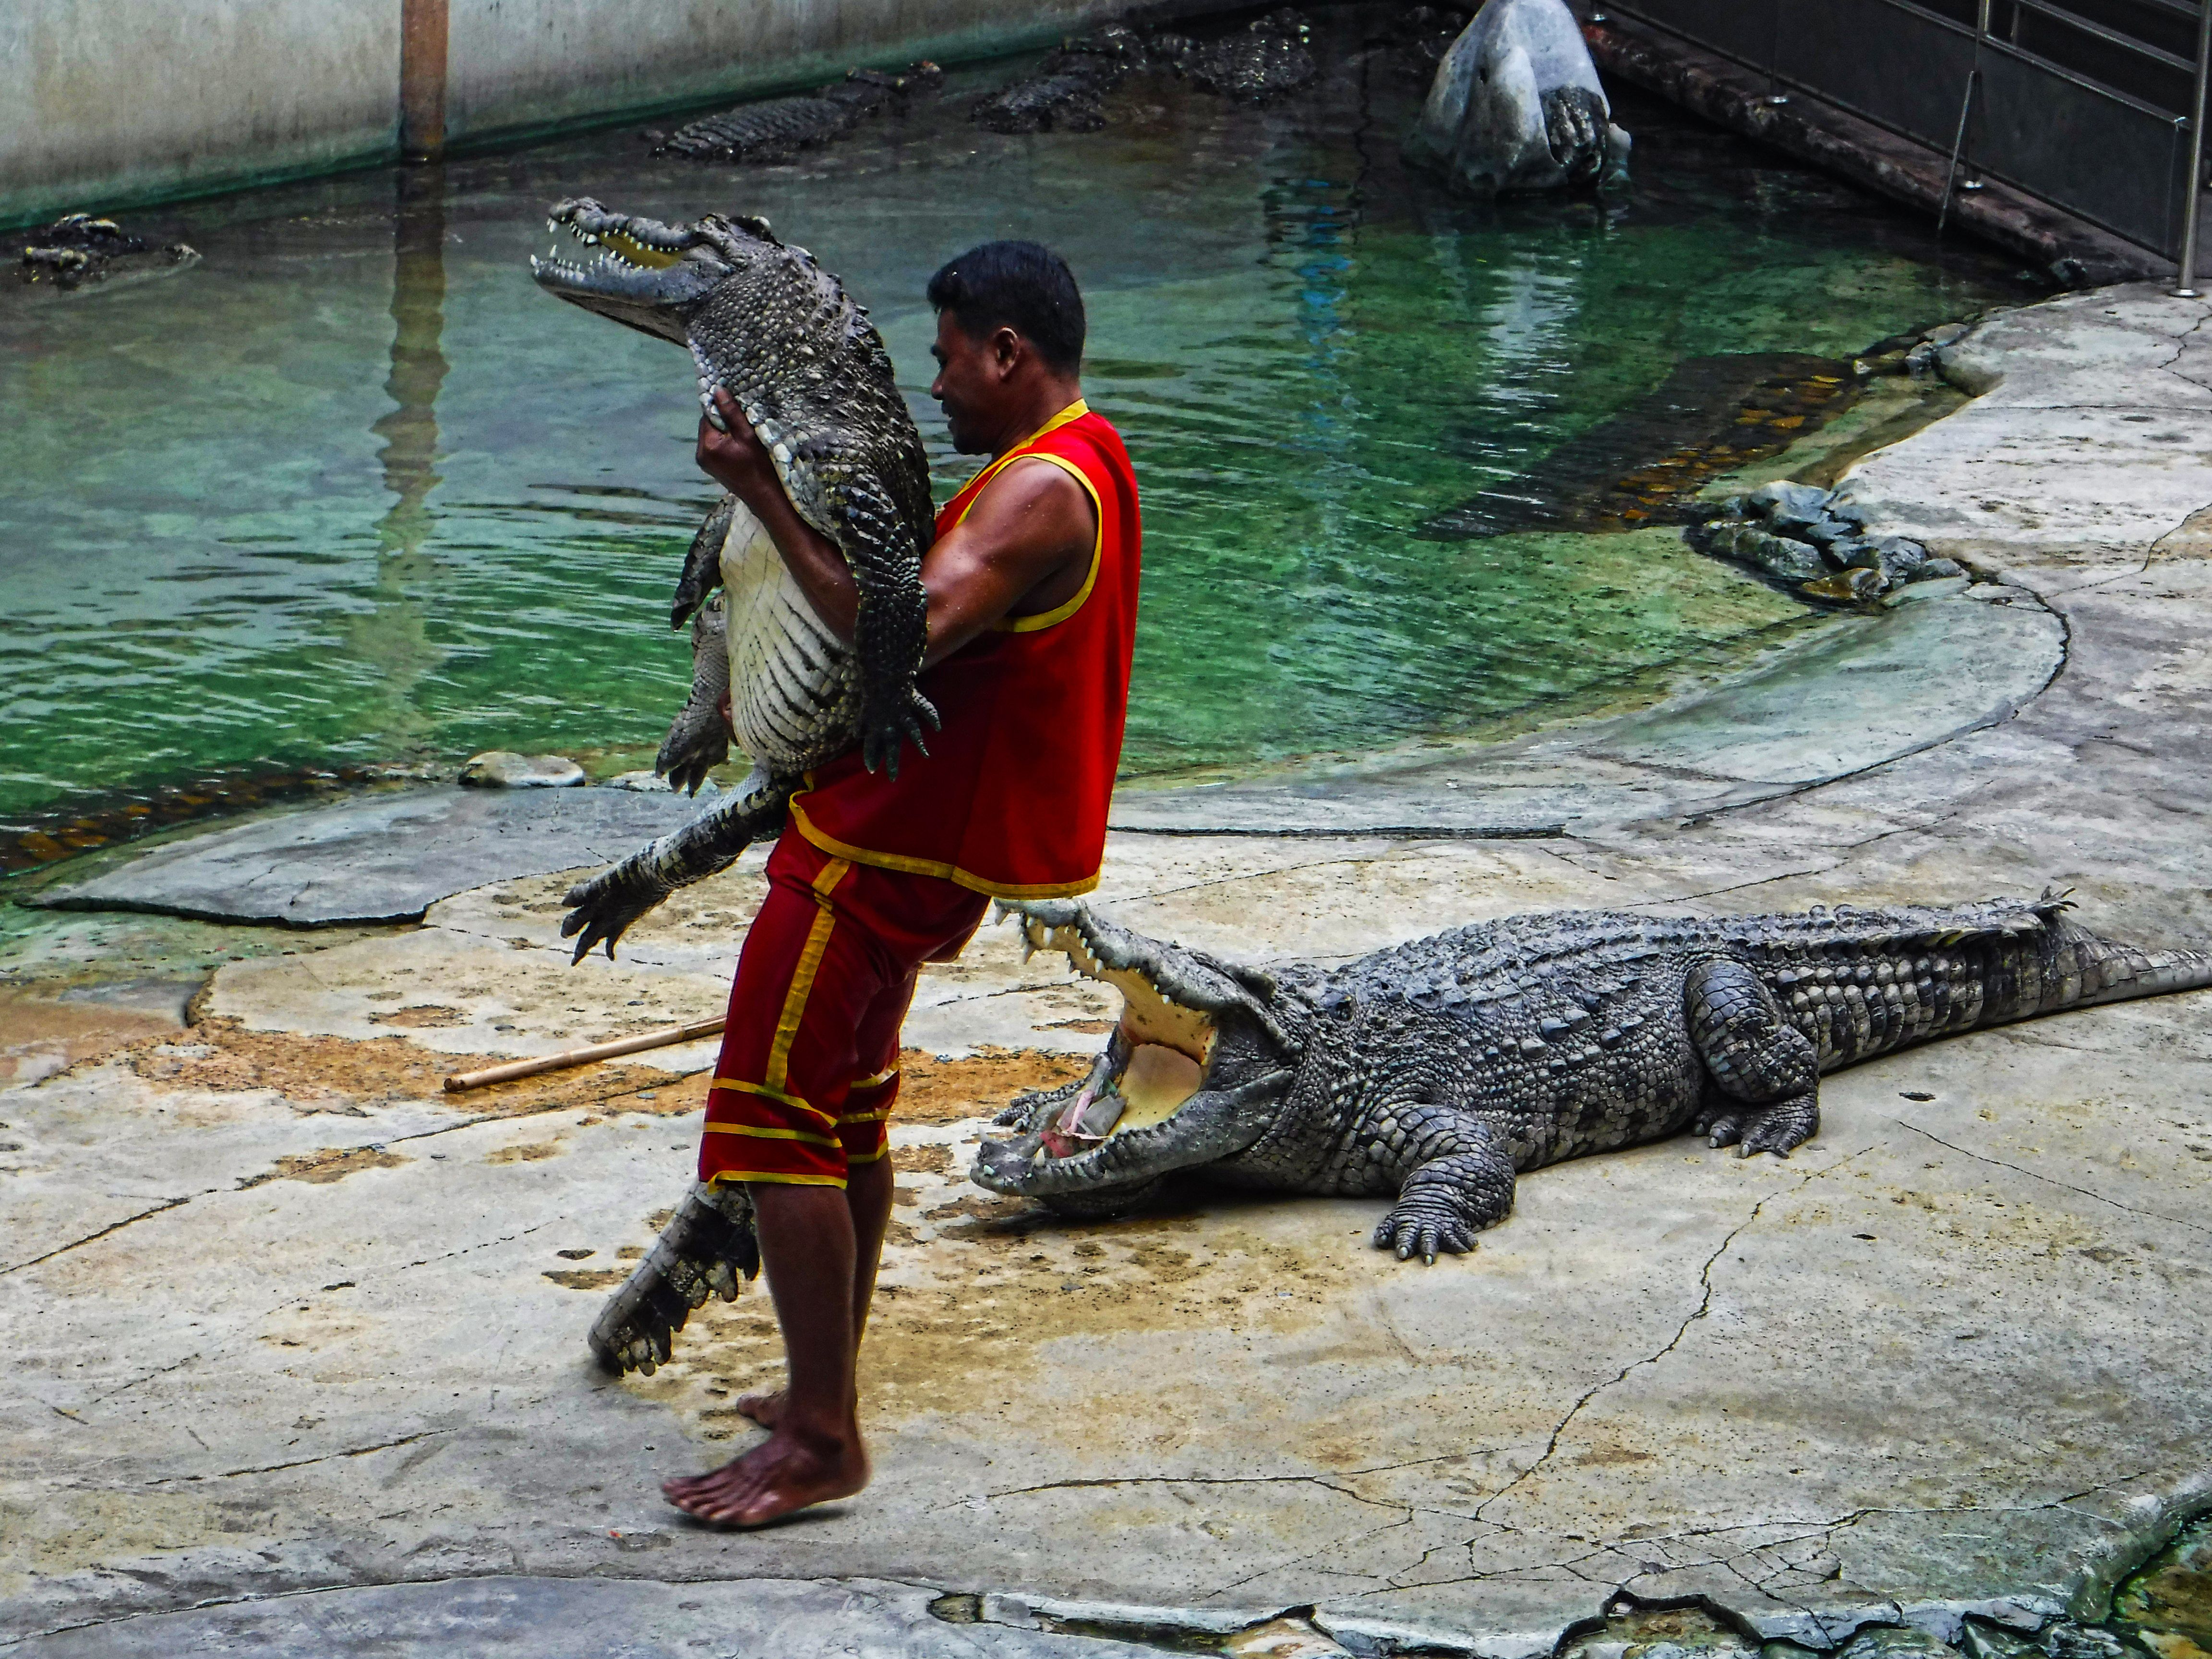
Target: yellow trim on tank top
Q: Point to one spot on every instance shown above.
(1061, 612)
(914, 867)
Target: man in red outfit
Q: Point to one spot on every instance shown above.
(1032, 590)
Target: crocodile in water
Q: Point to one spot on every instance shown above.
(777, 128)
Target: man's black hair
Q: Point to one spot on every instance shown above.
(1024, 286)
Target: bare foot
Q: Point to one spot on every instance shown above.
(765, 1409)
(781, 1474)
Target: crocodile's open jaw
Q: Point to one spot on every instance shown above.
(1189, 1075)
(645, 274)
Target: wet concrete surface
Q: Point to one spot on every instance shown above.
(289, 1322)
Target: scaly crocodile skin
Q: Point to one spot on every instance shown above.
(767, 325)
(1432, 1073)
(1436, 1071)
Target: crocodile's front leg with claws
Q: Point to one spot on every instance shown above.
(699, 740)
(610, 901)
(1764, 1069)
(707, 1249)
(1461, 1182)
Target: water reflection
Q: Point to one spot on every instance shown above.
(393, 635)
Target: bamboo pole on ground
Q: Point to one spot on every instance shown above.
(461, 1082)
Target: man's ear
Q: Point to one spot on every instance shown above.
(1006, 350)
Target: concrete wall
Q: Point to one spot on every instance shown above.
(514, 65)
(105, 105)
(104, 102)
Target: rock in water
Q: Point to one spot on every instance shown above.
(1515, 106)
(502, 769)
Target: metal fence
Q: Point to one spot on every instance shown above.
(2088, 106)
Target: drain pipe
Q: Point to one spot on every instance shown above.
(2185, 284)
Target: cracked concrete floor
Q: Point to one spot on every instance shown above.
(284, 1318)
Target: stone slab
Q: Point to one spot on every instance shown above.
(378, 858)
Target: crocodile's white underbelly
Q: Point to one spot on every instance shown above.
(794, 698)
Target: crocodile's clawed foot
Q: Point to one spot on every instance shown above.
(888, 731)
(708, 1248)
(1412, 1230)
(603, 907)
(1780, 1128)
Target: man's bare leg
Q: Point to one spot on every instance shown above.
(814, 1453)
(868, 1200)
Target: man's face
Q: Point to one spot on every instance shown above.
(972, 379)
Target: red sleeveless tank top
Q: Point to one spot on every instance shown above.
(1012, 798)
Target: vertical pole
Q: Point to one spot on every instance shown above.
(1774, 94)
(2184, 286)
(1973, 179)
(422, 32)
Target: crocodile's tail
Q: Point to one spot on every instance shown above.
(2044, 961)
(707, 1248)
(2085, 970)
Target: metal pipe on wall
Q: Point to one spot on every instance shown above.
(424, 28)
(2184, 286)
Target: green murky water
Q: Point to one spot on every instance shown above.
(352, 489)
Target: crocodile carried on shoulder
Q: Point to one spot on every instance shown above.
(1431, 1075)
(766, 324)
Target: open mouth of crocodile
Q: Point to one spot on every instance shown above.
(636, 270)
(1191, 1053)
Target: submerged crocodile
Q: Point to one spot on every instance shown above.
(1064, 91)
(1265, 59)
(777, 128)
(768, 325)
(1432, 1073)
(77, 248)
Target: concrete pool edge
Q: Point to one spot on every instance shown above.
(1769, 730)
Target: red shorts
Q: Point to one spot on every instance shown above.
(809, 1057)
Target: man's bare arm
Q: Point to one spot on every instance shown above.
(1024, 547)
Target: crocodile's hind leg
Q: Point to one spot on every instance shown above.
(1765, 1074)
(705, 1251)
(1462, 1181)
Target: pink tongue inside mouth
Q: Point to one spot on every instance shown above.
(1083, 1124)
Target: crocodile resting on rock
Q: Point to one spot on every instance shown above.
(768, 325)
(1432, 1073)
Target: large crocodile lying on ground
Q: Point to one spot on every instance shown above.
(1432, 1073)
(768, 325)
